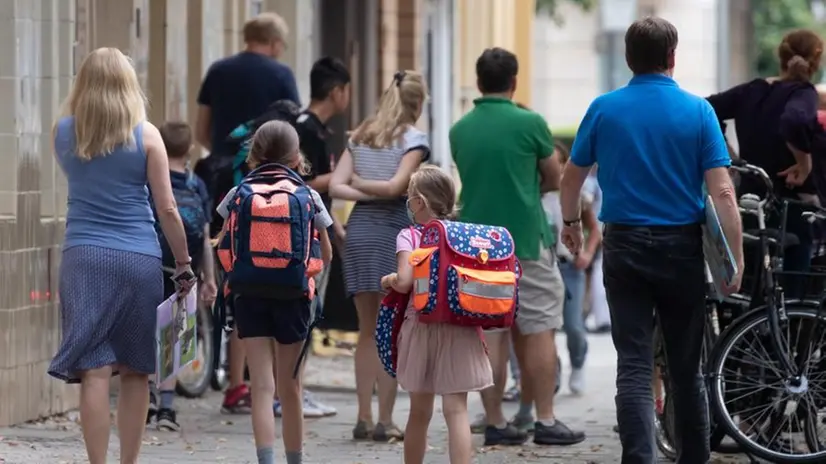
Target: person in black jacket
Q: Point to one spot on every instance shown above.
(776, 123)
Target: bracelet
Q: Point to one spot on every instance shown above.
(571, 223)
(184, 263)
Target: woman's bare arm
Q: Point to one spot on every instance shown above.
(157, 172)
(340, 182)
(397, 185)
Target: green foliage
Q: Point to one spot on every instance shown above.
(549, 6)
(772, 20)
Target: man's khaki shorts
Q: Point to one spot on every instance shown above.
(541, 295)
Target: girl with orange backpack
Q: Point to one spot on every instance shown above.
(434, 359)
(273, 243)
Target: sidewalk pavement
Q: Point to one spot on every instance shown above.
(210, 436)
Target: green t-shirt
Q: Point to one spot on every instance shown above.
(497, 147)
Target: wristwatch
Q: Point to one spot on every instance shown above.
(571, 223)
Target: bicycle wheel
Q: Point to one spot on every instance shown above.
(764, 410)
(665, 422)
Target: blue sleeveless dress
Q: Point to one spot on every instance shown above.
(110, 272)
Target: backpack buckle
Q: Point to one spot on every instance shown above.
(483, 256)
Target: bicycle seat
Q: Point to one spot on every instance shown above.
(752, 236)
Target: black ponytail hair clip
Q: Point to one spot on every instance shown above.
(399, 77)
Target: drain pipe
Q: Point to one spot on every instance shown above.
(723, 44)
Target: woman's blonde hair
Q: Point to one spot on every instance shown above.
(436, 189)
(107, 103)
(277, 142)
(399, 107)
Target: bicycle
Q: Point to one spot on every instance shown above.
(718, 315)
(778, 368)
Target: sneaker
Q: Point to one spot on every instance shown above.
(523, 423)
(479, 424)
(326, 409)
(577, 381)
(556, 434)
(384, 433)
(153, 407)
(276, 408)
(363, 430)
(508, 436)
(311, 409)
(237, 400)
(167, 420)
(511, 395)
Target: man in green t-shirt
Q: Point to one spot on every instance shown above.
(503, 155)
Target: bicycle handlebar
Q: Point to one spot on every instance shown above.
(743, 167)
(752, 203)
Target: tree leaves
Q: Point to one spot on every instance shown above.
(772, 19)
(550, 7)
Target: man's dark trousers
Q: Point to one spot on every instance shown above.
(646, 269)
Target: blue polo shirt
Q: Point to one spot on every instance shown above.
(653, 143)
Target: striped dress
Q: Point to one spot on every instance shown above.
(370, 248)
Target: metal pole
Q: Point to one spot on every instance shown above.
(723, 44)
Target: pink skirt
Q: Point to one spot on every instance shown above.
(441, 358)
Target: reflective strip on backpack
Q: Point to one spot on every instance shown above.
(421, 285)
(483, 290)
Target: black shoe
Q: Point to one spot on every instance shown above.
(509, 436)
(153, 407)
(557, 434)
(167, 420)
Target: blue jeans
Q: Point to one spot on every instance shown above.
(574, 322)
(662, 269)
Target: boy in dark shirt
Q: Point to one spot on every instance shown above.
(194, 206)
(329, 97)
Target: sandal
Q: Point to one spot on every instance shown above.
(384, 433)
(363, 430)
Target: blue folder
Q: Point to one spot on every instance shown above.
(721, 263)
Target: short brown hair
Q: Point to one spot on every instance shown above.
(799, 53)
(649, 45)
(177, 138)
(266, 28)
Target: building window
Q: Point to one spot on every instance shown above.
(256, 7)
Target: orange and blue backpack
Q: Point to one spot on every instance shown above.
(271, 248)
(463, 274)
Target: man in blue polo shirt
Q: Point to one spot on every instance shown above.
(655, 144)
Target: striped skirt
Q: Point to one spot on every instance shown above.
(108, 310)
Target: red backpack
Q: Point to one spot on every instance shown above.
(465, 274)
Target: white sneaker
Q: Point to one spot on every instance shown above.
(315, 409)
(577, 381)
